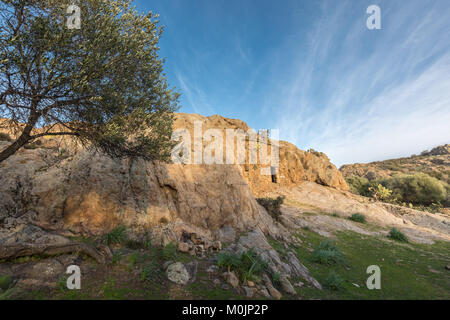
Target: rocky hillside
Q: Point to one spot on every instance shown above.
(142, 229)
(435, 163)
(63, 186)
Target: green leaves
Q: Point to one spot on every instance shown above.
(105, 79)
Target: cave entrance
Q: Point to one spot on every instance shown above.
(273, 173)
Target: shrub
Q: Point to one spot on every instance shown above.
(357, 217)
(5, 137)
(417, 188)
(62, 283)
(137, 244)
(248, 265)
(379, 192)
(117, 235)
(5, 282)
(169, 252)
(251, 265)
(228, 260)
(328, 253)
(272, 206)
(334, 281)
(150, 271)
(397, 235)
(276, 278)
(358, 185)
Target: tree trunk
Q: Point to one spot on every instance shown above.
(24, 138)
(12, 148)
(22, 250)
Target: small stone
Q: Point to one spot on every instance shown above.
(224, 286)
(216, 282)
(250, 283)
(212, 269)
(264, 293)
(274, 293)
(217, 245)
(249, 292)
(183, 247)
(356, 285)
(299, 284)
(230, 277)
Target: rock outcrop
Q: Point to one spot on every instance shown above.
(435, 163)
(58, 185)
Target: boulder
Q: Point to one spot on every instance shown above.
(178, 273)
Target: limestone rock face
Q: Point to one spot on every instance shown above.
(58, 185)
(295, 165)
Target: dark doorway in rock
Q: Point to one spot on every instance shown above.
(273, 173)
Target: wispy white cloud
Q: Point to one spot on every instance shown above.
(194, 94)
(361, 95)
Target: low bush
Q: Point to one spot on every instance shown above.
(328, 253)
(273, 206)
(170, 251)
(397, 235)
(334, 282)
(5, 282)
(248, 265)
(357, 217)
(228, 260)
(417, 188)
(150, 271)
(116, 236)
(358, 185)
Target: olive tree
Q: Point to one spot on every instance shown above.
(101, 82)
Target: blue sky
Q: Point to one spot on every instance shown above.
(314, 71)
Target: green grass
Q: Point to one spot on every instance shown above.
(203, 289)
(116, 236)
(5, 282)
(408, 271)
(248, 265)
(328, 253)
(395, 234)
(334, 282)
(170, 251)
(357, 217)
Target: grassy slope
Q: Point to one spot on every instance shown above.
(408, 271)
